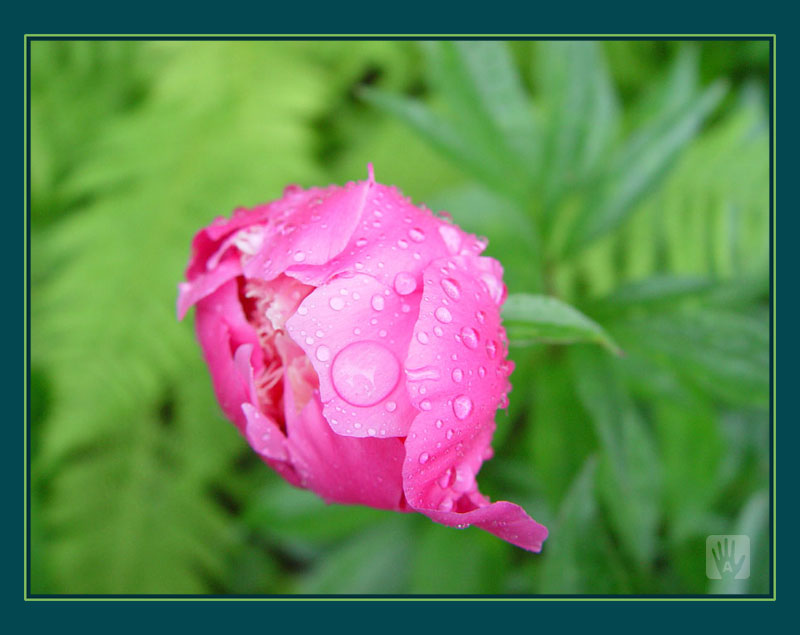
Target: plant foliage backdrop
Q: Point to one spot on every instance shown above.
(628, 179)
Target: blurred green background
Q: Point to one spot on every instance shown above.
(630, 179)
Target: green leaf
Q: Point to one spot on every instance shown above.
(630, 469)
(447, 561)
(440, 133)
(499, 93)
(557, 436)
(639, 167)
(753, 521)
(723, 353)
(653, 293)
(577, 557)
(134, 444)
(374, 561)
(487, 125)
(303, 523)
(692, 448)
(580, 104)
(537, 318)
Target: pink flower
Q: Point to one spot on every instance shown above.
(355, 341)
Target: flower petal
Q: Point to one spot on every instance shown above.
(393, 238)
(503, 519)
(457, 378)
(356, 332)
(263, 434)
(343, 469)
(307, 227)
(205, 284)
(222, 330)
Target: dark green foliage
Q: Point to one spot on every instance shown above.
(624, 187)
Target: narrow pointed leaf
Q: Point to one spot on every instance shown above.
(640, 167)
(537, 318)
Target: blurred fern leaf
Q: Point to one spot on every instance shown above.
(130, 508)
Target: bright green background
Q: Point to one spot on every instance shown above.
(629, 179)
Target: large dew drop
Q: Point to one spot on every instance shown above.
(363, 373)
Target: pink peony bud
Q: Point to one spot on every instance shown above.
(355, 341)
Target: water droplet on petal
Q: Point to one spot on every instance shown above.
(377, 302)
(423, 458)
(422, 337)
(303, 310)
(482, 371)
(404, 283)
(421, 374)
(371, 432)
(364, 373)
(438, 330)
(425, 404)
(451, 288)
(470, 337)
(443, 315)
(439, 423)
(493, 286)
(462, 406)
(450, 434)
(391, 406)
(451, 237)
(300, 256)
(416, 234)
(323, 353)
(446, 480)
(491, 349)
(481, 316)
(361, 242)
(337, 303)
(458, 375)
(403, 244)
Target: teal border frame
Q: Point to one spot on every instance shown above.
(771, 596)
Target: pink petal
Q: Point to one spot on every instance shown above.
(307, 227)
(263, 434)
(206, 283)
(261, 431)
(393, 237)
(222, 330)
(356, 333)
(459, 351)
(503, 519)
(343, 469)
(211, 243)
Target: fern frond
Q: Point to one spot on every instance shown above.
(225, 124)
